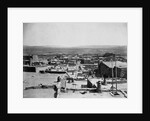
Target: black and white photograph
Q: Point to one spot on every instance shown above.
(75, 60)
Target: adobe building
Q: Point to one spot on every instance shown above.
(105, 69)
(27, 60)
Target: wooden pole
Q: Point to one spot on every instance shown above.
(116, 72)
(112, 74)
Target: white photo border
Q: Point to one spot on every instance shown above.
(18, 104)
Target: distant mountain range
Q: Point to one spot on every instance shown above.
(93, 49)
(87, 46)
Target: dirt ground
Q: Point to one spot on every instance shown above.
(34, 79)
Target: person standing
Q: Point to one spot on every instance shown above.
(56, 91)
(58, 78)
(57, 87)
(63, 83)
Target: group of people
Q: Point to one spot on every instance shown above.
(60, 86)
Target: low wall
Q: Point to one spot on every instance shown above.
(29, 69)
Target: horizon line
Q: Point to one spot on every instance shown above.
(70, 46)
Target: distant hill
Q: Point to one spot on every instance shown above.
(101, 50)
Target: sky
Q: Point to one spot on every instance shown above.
(74, 34)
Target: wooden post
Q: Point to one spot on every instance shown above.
(112, 74)
(116, 72)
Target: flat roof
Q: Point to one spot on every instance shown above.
(119, 64)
